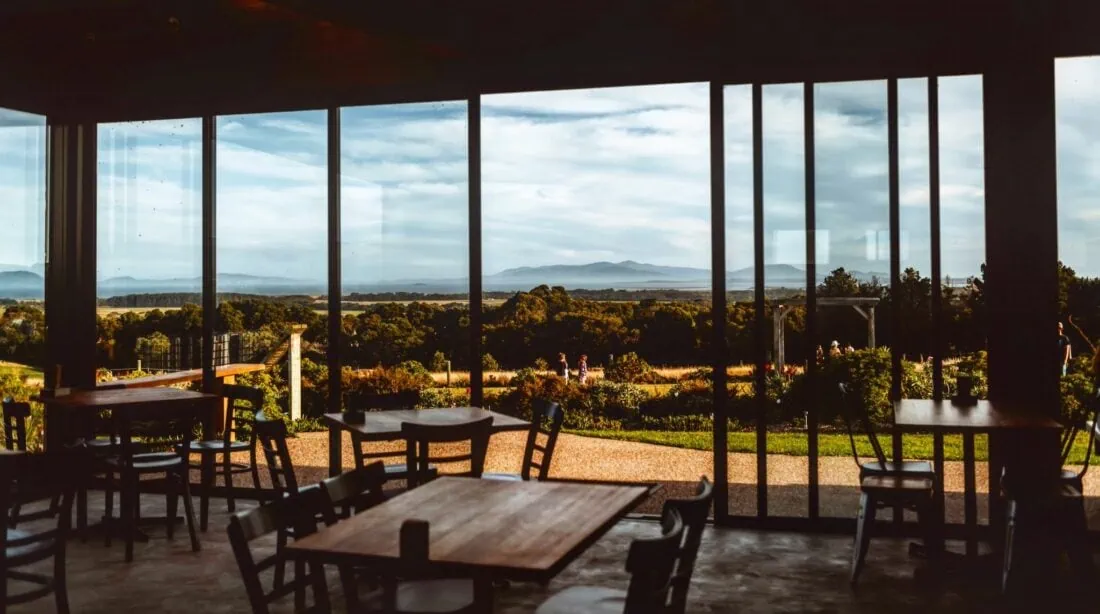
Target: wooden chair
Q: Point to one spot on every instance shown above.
(356, 490)
(420, 438)
(166, 430)
(37, 477)
(242, 405)
(1060, 511)
(883, 483)
(271, 435)
(407, 399)
(293, 514)
(856, 419)
(650, 562)
(417, 591)
(16, 414)
(694, 513)
(546, 421)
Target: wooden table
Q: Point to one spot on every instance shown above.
(481, 529)
(386, 426)
(981, 416)
(60, 409)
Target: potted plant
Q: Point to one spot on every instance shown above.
(964, 386)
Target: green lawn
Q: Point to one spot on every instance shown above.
(796, 444)
(11, 368)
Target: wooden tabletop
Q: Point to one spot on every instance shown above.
(519, 530)
(105, 399)
(978, 417)
(179, 377)
(386, 425)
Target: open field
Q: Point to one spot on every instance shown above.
(18, 370)
(440, 377)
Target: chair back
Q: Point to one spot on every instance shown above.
(359, 489)
(420, 438)
(1069, 435)
(27, 478)
(168, 428)
(650, 563)
(856, 419)
(242, 405)
(296, 513)
(546, 421)
(693, 512)
(15, 424)
(272, 437)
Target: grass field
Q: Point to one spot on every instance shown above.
(12, 368)
(829, 444)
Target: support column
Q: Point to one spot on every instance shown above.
(71, 255)
(1021, 293)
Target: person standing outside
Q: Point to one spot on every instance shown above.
(1065, 350)
(582, 369)
(563, 367)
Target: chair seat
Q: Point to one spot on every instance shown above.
(212, 446)
(102, 442)
(399, 471)
(150, 462)
(26, 553)
(507, 477)
(434, 596)
(915, 468)
(886, 484)
(587, 599)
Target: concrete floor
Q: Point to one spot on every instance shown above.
(738, 571)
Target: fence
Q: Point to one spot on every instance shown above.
(186, 353)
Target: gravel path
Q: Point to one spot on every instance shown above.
(678, 469)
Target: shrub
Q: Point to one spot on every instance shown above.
(439, 361)
(488, 363)
(629, 368)
(540, 364)
(409, 375)
(443, 397)
(1078, 393)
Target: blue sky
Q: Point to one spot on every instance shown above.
(569, 177)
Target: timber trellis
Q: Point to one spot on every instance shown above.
(864, 306)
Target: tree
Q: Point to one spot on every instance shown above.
(839, 283)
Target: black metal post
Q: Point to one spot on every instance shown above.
(760, 329)
(209, 249)
(473, 148)
(335, 290)
(812, 414)
(934, 235)
(719, 353)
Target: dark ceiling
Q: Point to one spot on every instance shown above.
(141, 59)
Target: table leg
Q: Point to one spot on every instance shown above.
(996, 516)
(938, 497)
(970, 495)
(335, 450)
(483, 595)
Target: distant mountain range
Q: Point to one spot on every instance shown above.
(25, 282)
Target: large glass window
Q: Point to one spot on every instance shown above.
(149, 247)
(852, 214)
(405, 252)
(272, 257)
(740, 297)
(1077, 90)
(22, 253)
(596, 244)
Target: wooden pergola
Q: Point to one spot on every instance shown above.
(864, 306)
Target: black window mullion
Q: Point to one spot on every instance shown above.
(473, 148)
(719, 353)
(209, 249)
(335, 289)
(760, 330)
(895, 263)
(934, 233)
(811, 293)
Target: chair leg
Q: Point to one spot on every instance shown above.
(82, 511)
(189, 508)
(61, 585)
(867, 506)
(207, 472)
(1010, 538)
(927, 519)
(227, 470)
(127, 507)
(299, 586)
(171, 503)
(351, 588)
(280, 565)
(108, 506)
(252, 463)
(1076, 539)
